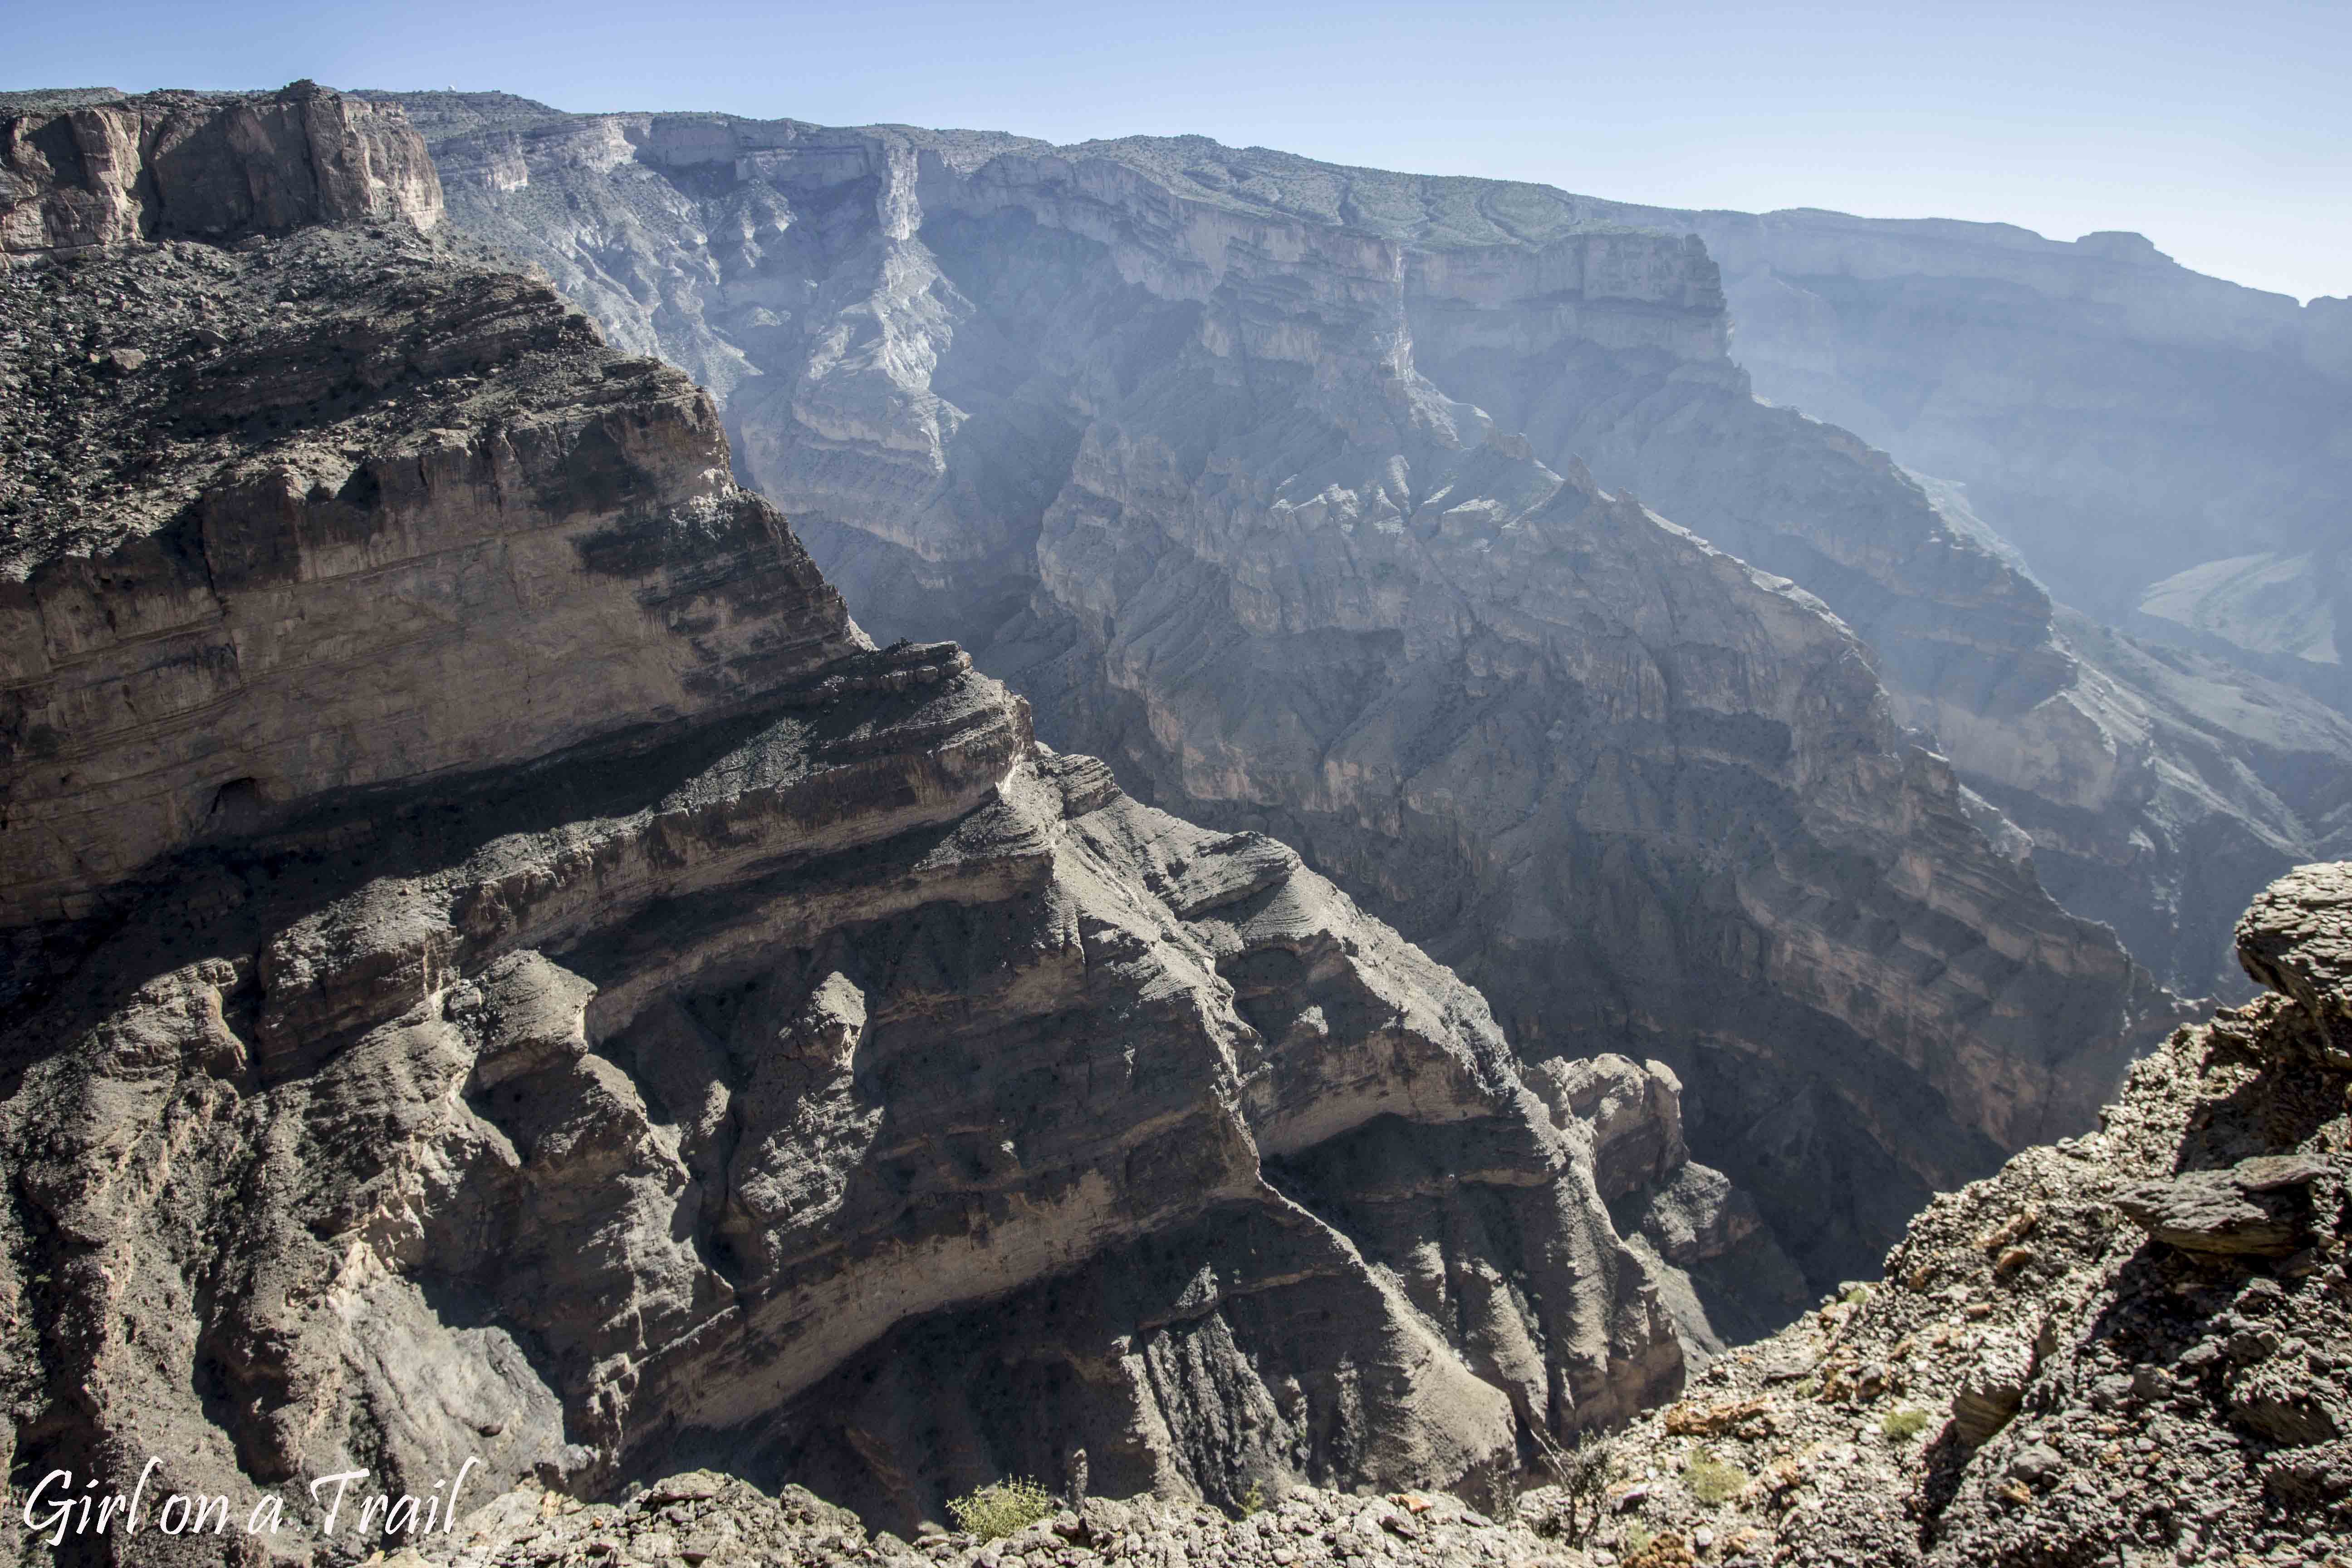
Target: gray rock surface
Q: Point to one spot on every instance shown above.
(2259, 1205)
(2295, 939)
(928, 342)
(84, 170)
(707, 1517)
(1176, 438)
(2038, 1379)
(502, 967)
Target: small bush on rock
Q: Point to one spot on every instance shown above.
(1904, 1425)
(996, 1510)
(1712, 1481)
(1584, 1473)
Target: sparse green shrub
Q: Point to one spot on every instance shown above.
(1712, 1481)
(996, 1510)
(1584, 1472)
(1638, 1539)
(1856, 1296)
(1254, 1500)
(1904, 1423)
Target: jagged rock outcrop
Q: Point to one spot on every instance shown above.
(915, 333)
(249, 577)
(1722, 1273)
(79, 172)
(1163, 432)
(503, 968)
(2135, 1346)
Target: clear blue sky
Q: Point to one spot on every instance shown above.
(2223, 131)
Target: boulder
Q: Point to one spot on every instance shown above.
(2258, 1206)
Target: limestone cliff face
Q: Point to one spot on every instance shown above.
(502, 966)
(885, 372)
(1158, 428)
(88, 174)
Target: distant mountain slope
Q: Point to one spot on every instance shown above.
(747, 252)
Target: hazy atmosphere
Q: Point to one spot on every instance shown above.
(2218, 130)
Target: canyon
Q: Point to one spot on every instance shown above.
(1159, 438)
(922, 340)
(501, 964)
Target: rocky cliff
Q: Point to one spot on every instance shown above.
(908, 366)
(2120, 417)
(1164, 432)
(82, 171)
(502, 967)
(2132, 1346)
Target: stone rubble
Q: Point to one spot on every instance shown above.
(702, 1516)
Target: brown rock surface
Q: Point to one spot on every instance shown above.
(719, 1520)
(541, 987)
(2117, 1396)
(95, 172)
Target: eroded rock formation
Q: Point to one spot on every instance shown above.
(83, 170)
(1181, 442)
(921, 338)
(2137, 1345)
(502, 966)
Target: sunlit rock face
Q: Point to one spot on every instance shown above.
(1298, 494)
(499, 966)
(835, 286)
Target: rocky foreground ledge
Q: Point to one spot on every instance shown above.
(703, 1518)
(2134, 1346)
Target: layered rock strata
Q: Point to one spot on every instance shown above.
(2132, 1346)
(913, 334)
(1166, 433)
(504, 968)
(82, 172)
(2135, 1346)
